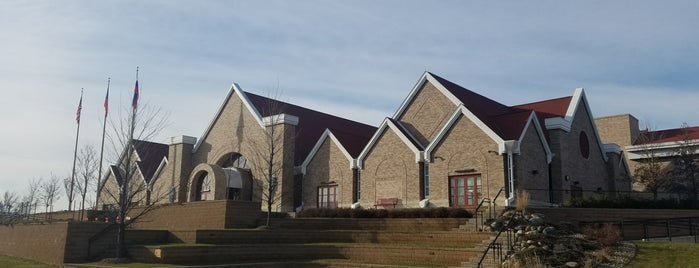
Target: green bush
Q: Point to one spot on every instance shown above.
(628, 202)
(384, 213)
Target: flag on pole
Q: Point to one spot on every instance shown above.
(134, 104)
(106, 103)
(80, 108)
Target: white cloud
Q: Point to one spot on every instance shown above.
(356, 59)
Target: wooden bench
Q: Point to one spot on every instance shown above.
(386, 202)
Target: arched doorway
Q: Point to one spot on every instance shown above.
(238, 175)
(203, 189)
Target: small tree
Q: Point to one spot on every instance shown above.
(650, 172)
(49, 192)
(8, 202)
(87, 169)
(125, 132)
(267, 151)
(683, 167)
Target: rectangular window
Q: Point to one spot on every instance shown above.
(327, 196)
(426, 178)
(465, 191)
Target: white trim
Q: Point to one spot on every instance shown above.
(557, 123)
(374, 139)
(160, 168)
(280, 119)
(235, 88)
(426, 77)
(566, 123)
(667, 149)
(182, 139)
(612, 148)
(326, 134)
(662, 145)
(539, 132)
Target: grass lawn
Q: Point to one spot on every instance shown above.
(12, 262)
(663, 254)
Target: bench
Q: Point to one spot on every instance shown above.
(386, 202)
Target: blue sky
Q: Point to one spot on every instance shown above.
(356, 59)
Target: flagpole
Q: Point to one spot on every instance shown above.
(104, 129)
(75, 153)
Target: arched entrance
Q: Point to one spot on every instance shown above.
(238, 177)
(203, 187)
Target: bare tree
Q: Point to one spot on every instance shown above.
(129, 200)
(87, 170)
(651, 171)
(9, 200)
(267, 152)
(50, 191)
(33, 195)
(683, 167)
(70, 188)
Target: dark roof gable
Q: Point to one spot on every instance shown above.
(353, 135)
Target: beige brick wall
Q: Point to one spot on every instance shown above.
(465, 147)
(328, 167)
(620, 129)
(237, 131)
(389, 171)
(428, 112)
(531, 166)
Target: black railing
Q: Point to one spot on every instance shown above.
(637, 229)
(496, 246)
(478, 213)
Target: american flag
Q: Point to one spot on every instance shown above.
(80, 108)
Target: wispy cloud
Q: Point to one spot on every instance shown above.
(355, 59)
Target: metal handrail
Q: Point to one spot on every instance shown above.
(490, 245)
(478, 211)
(494, 203)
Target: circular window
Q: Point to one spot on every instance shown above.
(584, 145)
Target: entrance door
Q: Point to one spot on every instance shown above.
(465, 191)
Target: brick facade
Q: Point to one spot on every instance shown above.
(329, 167)
(460, 132)
(427, 113)
(465, 147)
(390, 171)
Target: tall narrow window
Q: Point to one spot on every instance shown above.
(426, 179)
(465, 191)
(327, 196)
(359, 186)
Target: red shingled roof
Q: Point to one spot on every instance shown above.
(668, 135)
(548, 109)
(353, 135)
(506, 121)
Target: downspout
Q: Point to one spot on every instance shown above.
(510, 177)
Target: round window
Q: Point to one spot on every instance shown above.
(584, 145)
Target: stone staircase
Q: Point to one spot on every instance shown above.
(326, 243)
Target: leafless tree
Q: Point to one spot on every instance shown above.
(86, 175)
(129, 200)
(70, 188)
(33, 195)
(683, 167)
(9, 201)
(651, 171)
(267, 152)
(49, 192)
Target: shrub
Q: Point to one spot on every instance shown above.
(628, 202)
(606, 235)
(385, 213)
